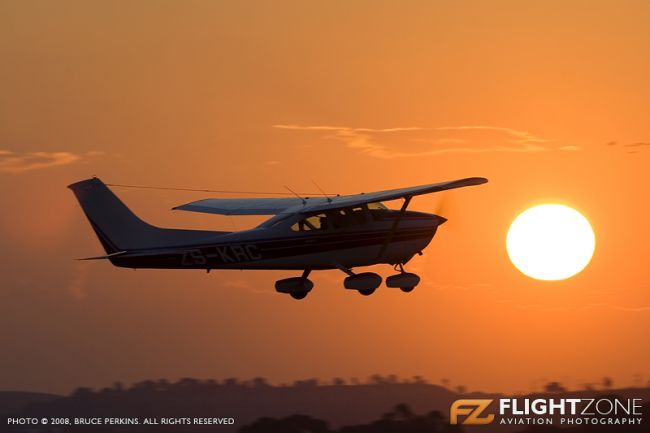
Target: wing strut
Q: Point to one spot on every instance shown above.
(393, 229)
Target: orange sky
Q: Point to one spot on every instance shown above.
(227, 96)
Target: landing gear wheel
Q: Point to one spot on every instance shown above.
(297, 287)
(405, 281)
(367, 292)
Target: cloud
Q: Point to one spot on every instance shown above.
(390, 143)
(630, 147)
(576, 308)
(241, 284)
(461, 287)
(77, 286)
(236, 284)
(570, 148)
(618, 307)
(12, 162)
(640, 144)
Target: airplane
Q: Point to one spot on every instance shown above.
(303, 233)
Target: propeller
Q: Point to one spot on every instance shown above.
(444, 207)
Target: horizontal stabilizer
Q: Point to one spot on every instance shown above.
(106, 257)
(246, 206)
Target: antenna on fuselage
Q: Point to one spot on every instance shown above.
(329, 200)
(304, 202)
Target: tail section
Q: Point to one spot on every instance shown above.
(119, 229)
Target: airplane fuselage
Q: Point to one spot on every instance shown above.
(280, 247)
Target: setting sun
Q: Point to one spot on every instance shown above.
(550, 242)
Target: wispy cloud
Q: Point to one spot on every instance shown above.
(77, 286)
(236, 284)
(241, 284)
(12, 162)
(576, 308)
(618, 307)
(629, 147)
(390, 143)
(462, 287)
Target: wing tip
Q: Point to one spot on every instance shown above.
(471, 181)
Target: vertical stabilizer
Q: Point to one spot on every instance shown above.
(119, 229)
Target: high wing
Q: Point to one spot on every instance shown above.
(274, 206)
(391, 194)
(244, 206)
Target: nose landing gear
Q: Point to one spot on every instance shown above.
(405, 281)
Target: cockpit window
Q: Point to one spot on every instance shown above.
(332, 220)
(376, 205)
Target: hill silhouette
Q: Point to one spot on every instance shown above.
(15, 401)
(381, 405)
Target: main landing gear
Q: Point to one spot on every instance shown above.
(365, 283)
(297, 287)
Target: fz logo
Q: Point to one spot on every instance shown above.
(472, 408)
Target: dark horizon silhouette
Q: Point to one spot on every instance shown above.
(378, 404)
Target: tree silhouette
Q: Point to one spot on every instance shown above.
(291, 424)
(307, 383)
(376, 379)
(403, 412)
(419, 380)
(231, 382)
(607, 382)
(82, 392)
(260, 382)
(554, 387)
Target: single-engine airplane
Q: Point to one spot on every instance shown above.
(306, 234)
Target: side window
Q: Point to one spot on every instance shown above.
(311, 223)
(377, 214)
(342, 218)
(376, 211)
(336, 219)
